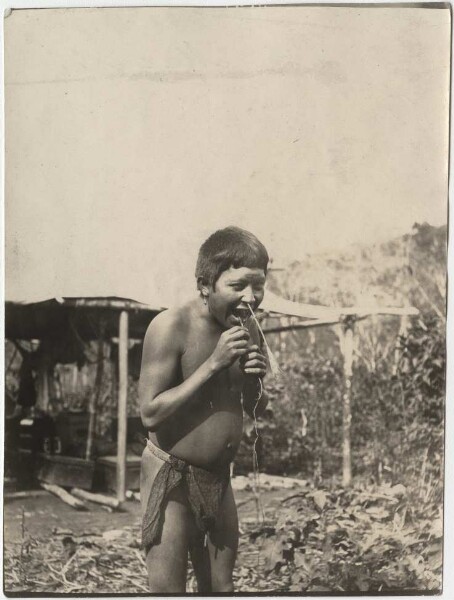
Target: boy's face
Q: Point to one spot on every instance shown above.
(234, 289)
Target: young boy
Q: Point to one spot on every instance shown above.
(201, 366)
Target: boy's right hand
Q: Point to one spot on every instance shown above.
(232, 344)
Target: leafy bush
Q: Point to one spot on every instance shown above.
(373, 540)
(397, 414)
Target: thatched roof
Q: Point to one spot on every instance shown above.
(55, 318)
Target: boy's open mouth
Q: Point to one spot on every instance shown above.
(241, 313)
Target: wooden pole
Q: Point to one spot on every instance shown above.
(346, 345)
(94, 396)
(65, 496)
(43, 387)
(97, 498)
(122, 405)
(403, 330)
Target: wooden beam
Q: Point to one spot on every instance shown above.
(352, 313)
(303, 325)
(310, 323)
(65, 496)
(113, 503)
(122, 405)
(346, 347)
(376, 310)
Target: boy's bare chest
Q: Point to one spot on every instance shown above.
(198, 348)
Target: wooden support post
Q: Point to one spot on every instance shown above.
(95, 395)
(75, 380)
(346, 345)
(122, 405)
(403, 331)
(43, 387)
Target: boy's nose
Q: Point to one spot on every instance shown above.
(248, 296)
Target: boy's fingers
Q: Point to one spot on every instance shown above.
(256, 358)
(254, 371)
(239, 334)
(255, 363)
(240, 344)
(254, 366)
(241, 351)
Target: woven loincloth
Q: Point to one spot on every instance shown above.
(204, 490)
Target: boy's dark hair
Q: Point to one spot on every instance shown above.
(229, 247)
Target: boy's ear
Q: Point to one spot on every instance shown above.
(203, 287)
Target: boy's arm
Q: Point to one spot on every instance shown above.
(162, 350)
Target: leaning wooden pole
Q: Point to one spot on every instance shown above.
(347, 333)
(122, 405)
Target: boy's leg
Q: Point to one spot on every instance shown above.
(167, 561)
(213, 564)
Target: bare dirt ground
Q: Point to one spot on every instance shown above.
(50, 547)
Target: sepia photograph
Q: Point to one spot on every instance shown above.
(226, 235)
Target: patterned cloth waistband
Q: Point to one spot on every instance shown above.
(177, 463)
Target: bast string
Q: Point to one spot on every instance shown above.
(255, 460)
(275, 371)
(274, 365)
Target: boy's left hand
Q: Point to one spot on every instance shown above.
(254, 363)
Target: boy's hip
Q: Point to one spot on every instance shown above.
(161, 473)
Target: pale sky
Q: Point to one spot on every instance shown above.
(131, 134)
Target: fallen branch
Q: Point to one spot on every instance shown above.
(300, 495)
(64, 496)
(97, 498)
(66, 566)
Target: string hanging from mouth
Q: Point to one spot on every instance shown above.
(255, 460)
(272, 361)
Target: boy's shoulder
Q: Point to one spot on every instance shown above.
(170, 322)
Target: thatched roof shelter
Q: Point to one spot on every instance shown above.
(54, 318)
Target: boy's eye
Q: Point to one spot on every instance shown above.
(238, 287)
